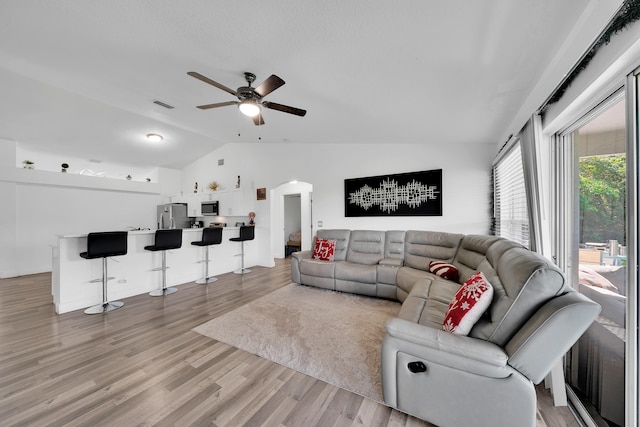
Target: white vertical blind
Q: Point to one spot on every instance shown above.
(510, 197)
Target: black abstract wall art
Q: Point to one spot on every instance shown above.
(404, 194)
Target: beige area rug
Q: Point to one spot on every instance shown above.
(332, 336)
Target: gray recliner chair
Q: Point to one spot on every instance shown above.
(488, 377)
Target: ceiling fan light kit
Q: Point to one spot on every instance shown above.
(249, 108)
(250, 98)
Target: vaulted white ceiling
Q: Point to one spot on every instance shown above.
(79, 77)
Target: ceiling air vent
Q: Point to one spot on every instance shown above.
(162, 104)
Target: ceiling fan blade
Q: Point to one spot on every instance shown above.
(285, 108)
(216, 105)
(258, 120)
(272, 83)
(211, 82)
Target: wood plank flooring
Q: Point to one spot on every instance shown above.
(143, 366)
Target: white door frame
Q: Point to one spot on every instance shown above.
(277, 215)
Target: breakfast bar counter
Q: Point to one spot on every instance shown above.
(133, 273)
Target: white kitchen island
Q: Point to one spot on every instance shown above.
(133, 273)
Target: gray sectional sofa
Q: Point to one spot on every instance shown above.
(485, 378)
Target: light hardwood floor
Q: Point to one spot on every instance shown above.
(142, 365)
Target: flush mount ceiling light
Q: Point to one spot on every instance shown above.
(249, 107)
(154, 137)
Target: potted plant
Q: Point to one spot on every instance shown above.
(28, 164)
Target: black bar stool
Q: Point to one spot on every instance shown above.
(103, 245)
(165, 240)
(210, 236)
(247, 232)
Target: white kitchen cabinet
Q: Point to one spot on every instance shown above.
(210, 197)
(232, 203)
(194, 205)
(178, 199)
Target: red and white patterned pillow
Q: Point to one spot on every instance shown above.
(444, 270)
(468, 304)
(324, 249)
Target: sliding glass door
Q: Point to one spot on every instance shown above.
(596, 223)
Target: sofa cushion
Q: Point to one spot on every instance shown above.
(324, 249)
(406, 279)
(422, 247)
(342, 240)
(471, 257)
(356, 278)
(468, 305)
(312, 267)
(428, 301)
(351, 271)
(444, 269)
(366, 247)
(394, 244)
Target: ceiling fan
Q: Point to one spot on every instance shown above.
(250, 98)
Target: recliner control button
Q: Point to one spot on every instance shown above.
(416, 367)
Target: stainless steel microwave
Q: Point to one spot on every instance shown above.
(210, 208)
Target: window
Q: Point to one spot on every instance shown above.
(510, 198)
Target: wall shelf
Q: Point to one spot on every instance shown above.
(59, 179)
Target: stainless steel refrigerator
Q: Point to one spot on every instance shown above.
(173, 215)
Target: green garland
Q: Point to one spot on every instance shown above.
(629, 13)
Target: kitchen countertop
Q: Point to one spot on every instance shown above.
(140, 232)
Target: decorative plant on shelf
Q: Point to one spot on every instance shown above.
(213, 186)
(28, 164)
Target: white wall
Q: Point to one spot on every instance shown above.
(45, 212)
(466, 178)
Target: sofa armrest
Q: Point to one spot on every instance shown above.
(296, 257)
(452, 350)
(549, 334)
(302, 255)
(391, 262)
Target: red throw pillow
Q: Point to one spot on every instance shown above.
(444, 270)
(468, 304)
(324, 249)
